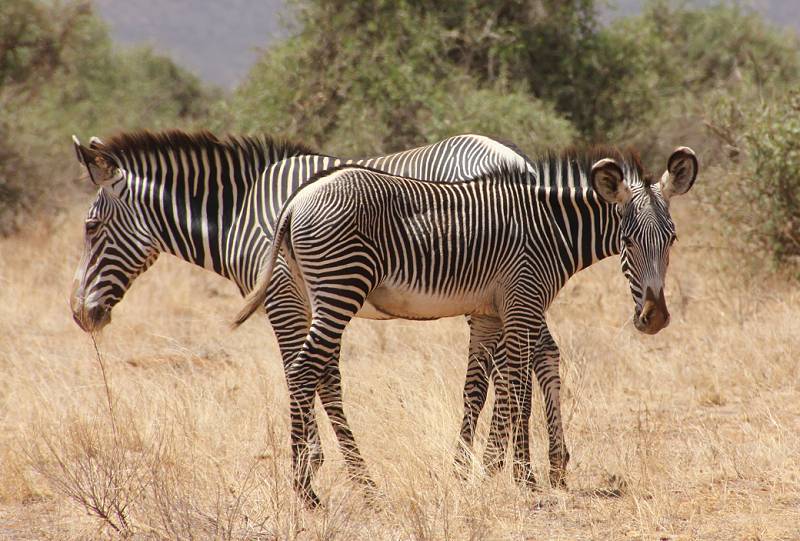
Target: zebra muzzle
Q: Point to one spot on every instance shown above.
(93, 319)
(653, 315)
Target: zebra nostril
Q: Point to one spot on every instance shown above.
(644, 318)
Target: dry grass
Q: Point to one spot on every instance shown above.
(691, 434)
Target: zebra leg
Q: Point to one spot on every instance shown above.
(522, 328)
(316, 456)
(288, 315)
(546, 366)
(503, 415)
(497, 442)
(485, 334)
(330, 393)
(288, 312)
(522, 391)
(335, 296)
(302, 376)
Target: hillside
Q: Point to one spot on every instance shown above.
(220, 40)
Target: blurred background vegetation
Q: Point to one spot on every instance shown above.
(361, 77)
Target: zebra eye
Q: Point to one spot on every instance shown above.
(627, 242)
(92, 226)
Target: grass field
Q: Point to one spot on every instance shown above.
(690, 434)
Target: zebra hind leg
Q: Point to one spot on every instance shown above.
(497, 443)
(330, 393)
(310, 372)
(522, 393)
(302, 377)
(289, 318)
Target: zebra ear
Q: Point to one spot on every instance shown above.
(609, 182)
(681, 172)
(100, 168)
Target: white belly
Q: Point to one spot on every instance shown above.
(389, 302)
(368, 311)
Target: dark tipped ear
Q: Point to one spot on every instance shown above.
(101, 169)
(609, 182)
(682, 167)
(95, 142)
(78, 149)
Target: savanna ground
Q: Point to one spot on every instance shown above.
(690, 434)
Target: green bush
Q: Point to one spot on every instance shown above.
(364, 78)
(59, 75)
(508, 115)
(760, 201)
(692, 59)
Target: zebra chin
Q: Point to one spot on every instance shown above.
(92, 320)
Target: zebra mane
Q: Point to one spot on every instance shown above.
(581, 159)
(144, 142)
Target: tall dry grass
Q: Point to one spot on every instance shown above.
(693, 433)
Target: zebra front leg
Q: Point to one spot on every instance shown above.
(522, 329)
(485, 335)
(497, 442)
(546, 367)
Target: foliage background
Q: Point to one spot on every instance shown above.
(368, 77)
(59, 74)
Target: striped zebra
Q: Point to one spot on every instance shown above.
(498, 247)
(204, 200)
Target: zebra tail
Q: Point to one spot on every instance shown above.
(256, 299)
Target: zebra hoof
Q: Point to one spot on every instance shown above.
(366, 482)
(523, 476)
(315, 463)
(462, 464)
(373, 496)
(493, 465)
(558, 479)
(310, 499)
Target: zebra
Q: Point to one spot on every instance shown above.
(203, 199)
(498, 247)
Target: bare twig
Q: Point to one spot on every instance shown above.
(109, 399)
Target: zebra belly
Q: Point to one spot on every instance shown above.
(388, 302)
(369, 311)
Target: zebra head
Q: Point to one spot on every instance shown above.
(118, 245)
(646, 230)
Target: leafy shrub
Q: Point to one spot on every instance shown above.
(363, 78)
(761, 198)
(692, 60)
(508, 115)
(60, 75)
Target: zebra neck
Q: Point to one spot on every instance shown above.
(194, 211)
(586, 229)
